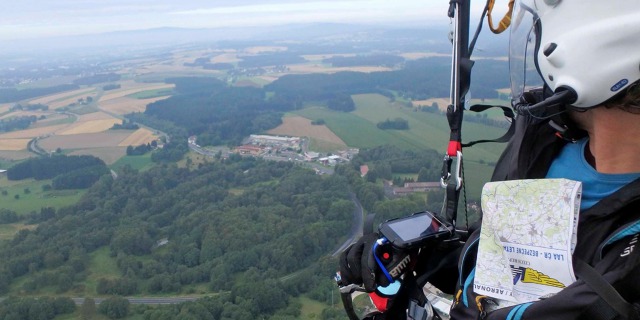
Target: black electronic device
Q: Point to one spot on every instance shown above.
(415, 231)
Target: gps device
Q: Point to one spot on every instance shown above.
(415, 230)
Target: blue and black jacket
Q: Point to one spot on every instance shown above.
(608, 243)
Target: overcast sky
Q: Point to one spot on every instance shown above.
(28, 19)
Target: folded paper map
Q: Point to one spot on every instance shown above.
(527, 239)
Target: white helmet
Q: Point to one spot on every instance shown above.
(588, 47)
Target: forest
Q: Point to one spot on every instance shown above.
(17, 123)
(395, 124)
(254, 233)
(67, 172)
(15, 95)
(279, 221)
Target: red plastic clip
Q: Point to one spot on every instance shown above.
(454, 147)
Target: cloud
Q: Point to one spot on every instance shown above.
(30, 18)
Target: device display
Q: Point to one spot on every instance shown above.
(414, 230)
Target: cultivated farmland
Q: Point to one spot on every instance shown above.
(13, 144)
(126, 105)
(129, 88)
(140, 136)
(427, 131)
(109, 138)
(50, 99)
(109, 154)
(322, 139)
(32, 133)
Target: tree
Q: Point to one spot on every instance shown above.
(114, 308)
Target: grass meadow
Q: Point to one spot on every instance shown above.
(148, 94)
(141, 163)
(426, 131)
(35, 198)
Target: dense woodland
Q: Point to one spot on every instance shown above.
(279, 220)
(17, 123)
(395, 124)
(257, 233)
(15, 95)
(67, 172)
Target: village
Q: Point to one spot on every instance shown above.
(285, 148)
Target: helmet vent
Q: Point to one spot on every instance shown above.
(549, 49)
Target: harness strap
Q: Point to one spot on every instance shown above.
(508, 112)
(348, 306)
(504, 22)
(611, 304)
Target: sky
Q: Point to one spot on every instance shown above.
(33, 19)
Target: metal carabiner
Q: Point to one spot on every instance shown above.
(446, 171)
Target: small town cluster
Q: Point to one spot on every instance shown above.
(285, 148)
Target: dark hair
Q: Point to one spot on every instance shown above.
(629, 101)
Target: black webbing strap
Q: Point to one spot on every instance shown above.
(367, 227)
(507, 113)
(611, 304)
(348, 305)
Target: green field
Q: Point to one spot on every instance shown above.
(148, 94)
(56, 122)
(35, 198)
(102, 265)
(312, 309)
(426, 131)
(141, 163)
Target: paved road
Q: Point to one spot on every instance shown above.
(143, 300)
(356, 226)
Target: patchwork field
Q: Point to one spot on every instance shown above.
(226, 58)
(302, 127)
(13, 144)
(132, 89)
(14, 155)
(4, 108)
(140, 136)
(48, 100)
(53, 105)
(32, 133)
(320, 57)
(427, 131)
(19, 113)
(311, 68)
(92, 126)
(126, 105)
(442, 103)
(109, 138)
(109, 154)
(263, 49)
